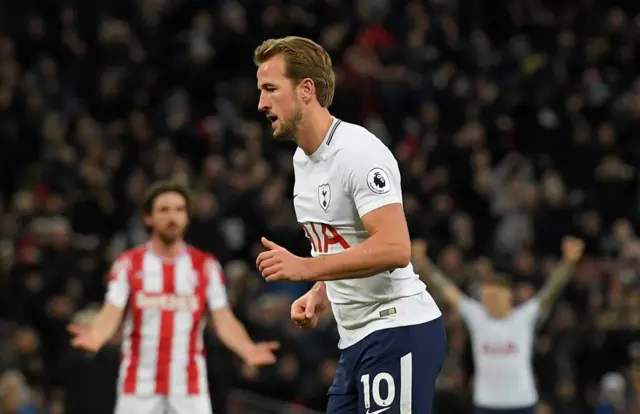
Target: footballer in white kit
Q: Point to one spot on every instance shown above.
(502, 337)
(163, 290)
(348, 201)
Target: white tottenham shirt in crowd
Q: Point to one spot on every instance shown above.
(165, 300)
(351, 174)
(502, 352)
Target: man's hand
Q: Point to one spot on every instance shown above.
(572, 248)
(306, 309)
(261, 353)
(83, 338)
(277, 263)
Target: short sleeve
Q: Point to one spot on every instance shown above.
(472, 312)
(372, 177)
(118, 287)
(216, 291)
(529, 312)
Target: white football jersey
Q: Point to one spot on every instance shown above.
(350, 175)
(502, 352)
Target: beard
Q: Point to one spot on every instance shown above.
(169, 237)
(290, 128)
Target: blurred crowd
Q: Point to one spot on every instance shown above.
(514, 122)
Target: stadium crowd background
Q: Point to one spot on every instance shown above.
(514, 123)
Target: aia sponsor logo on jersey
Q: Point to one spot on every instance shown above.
(167, 302)
(323, 236)
(498, 348)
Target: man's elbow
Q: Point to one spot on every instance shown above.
(399, 255)
(221, 319)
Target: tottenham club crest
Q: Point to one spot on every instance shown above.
(378, 181)
(324, 196)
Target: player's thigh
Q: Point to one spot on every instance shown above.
(133, 404)
(343, 393)
(190, 404)
(399, 369)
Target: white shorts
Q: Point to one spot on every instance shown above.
(160, 404)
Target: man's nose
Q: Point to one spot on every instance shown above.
(263, 104)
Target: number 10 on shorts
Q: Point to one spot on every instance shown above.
(371, 389)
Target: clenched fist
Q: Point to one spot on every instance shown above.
(306, 310)
(278, 263)
(572, 248)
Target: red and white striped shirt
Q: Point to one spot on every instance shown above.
(162, 350)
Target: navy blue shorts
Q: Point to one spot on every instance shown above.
(392, 371)
(525, 410)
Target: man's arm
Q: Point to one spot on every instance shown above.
(231, 332)
(373, 181)
(429, 272)
(320, 288)
(572, 249)
(387, 248)
(109, 318)
(107, 323)
(227, 327)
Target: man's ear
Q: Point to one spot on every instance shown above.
(308, 89)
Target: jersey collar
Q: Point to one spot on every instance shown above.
(317, 155)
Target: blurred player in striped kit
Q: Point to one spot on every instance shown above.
(162, 291)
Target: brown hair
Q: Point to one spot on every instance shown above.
(498, 279)
(162, 187)
(303, 58)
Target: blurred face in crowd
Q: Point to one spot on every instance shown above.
(26, 340)
(12, 393)
(279, 99)
(497, 299)
(169, 217)
(543, 409)
(623, 230)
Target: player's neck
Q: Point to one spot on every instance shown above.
(502, 314)
(314, 129)
(167, 251)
